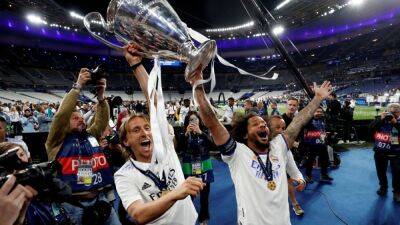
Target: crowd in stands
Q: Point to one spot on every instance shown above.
(371, 56)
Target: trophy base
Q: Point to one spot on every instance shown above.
(203, 56)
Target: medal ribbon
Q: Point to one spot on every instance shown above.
(267, 168)
(161, 184)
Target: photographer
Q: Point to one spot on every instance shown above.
(195, 144)
(14, 202)
(315, 144)
(44, 209)
(386, 135)
(84, 165)
(4, 138)
(19, 162)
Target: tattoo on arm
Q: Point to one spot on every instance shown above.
(208, 116)
(301, 120)
(206, 112)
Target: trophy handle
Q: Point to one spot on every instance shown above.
(97, 18)
(201, 57)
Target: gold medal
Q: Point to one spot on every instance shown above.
(271, 185)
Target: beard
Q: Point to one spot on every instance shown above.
(79, 129)
(318, 117)
(261, 145)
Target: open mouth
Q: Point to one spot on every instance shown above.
(262, 134)
(145, 143)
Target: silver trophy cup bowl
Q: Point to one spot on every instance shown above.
(154, 27)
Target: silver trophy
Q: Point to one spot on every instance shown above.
(154, 26)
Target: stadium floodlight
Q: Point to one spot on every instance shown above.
(356, 2)
(233, 28)
(76, 15)
(278, 30)
(35, 19)
(282, 4)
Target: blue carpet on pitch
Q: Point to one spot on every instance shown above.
(352, 195)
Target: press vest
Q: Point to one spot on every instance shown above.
(387, 139)
(314, 133)
(81, 156)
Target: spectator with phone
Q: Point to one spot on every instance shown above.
(195, 145)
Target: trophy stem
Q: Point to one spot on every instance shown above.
(200, 57)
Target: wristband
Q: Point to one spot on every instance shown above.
(77, 86)
(135, 66)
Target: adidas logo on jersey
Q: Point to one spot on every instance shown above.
(145, 186)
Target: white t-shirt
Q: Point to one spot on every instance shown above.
(182, 113)
(229, 111)
(256, 203)
(132, 185)
(170, 110)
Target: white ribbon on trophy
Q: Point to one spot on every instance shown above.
(163, 146)
(202, 39)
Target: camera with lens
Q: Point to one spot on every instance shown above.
(113, 138)
(97, 74)
(96, 214)
(10, 162)
(41, 177)
(114, 101)
(332, 138)
(389, 116)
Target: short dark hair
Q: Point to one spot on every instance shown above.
(2, 119)
(293, 99)
(231, 98)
